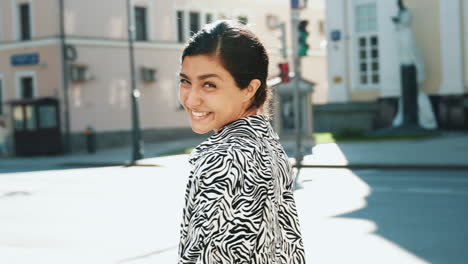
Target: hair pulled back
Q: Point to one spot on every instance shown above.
(240, 52)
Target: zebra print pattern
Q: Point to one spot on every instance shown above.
(239, 204)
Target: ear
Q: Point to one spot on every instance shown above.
(250, 91)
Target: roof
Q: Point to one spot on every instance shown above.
(304, 86)
(36, 100)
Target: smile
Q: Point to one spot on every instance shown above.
(200, 115)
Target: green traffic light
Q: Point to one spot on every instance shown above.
(303, 47)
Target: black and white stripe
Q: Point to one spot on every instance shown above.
(239, 204)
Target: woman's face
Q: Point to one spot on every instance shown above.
(210, 95)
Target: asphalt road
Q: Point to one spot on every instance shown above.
(132, 215)
(392, 216)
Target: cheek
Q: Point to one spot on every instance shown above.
(182, 95)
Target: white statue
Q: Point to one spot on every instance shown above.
(409, 55)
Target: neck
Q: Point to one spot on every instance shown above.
(245, 114)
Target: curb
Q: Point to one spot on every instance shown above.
(107, 164)
(388, 166)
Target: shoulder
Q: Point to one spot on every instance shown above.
(225, 155)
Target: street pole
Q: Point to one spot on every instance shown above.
(63, 49)
(137, 144)
(284, 50)
(297, 103)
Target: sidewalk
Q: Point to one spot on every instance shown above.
(119, 156)
(449, 151)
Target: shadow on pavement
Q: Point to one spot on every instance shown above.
(423, 212)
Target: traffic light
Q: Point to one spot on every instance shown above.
(284, 72)
(303, 34)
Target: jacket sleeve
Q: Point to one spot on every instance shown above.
(226, 217)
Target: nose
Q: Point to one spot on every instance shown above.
(193, 98)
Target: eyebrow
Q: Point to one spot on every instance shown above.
(202, 77)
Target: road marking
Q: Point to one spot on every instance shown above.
(419, 190)
(404, 178)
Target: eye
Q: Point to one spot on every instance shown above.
(209, 84)
(184, 82)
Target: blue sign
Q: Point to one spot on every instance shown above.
(25, 59)
(294, 3)
(336, 35)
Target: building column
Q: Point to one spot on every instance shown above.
(465, 41)
(337, 51)
(450, 48)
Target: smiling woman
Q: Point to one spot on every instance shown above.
(210, 94)
(239, 204)
(226, 66)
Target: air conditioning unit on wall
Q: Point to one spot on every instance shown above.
(148, 74)
(80, 73)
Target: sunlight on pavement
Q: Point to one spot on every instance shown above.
(326, 154)
(174, 161)
(97, 215)
(329, 238)
(132, 215)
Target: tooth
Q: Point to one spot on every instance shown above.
(199, 113)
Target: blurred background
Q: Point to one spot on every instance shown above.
(94, 142)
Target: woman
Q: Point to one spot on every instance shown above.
(239, 205)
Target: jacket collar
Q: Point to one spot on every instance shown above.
(254, 126)
(249, 126)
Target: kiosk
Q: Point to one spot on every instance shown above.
(283, 98)
(36, 126)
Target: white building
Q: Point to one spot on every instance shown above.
(363, 60)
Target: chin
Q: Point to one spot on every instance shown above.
(200, 131)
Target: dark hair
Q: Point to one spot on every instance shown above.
(240, 52)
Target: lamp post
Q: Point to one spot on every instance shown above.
(64, 59)
(296, 99)
(137, 144)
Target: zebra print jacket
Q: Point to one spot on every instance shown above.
(239, 203)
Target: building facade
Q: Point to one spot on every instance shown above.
(97, 62)
(363, 56)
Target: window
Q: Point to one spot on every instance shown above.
(1, 96)
(18, 117)
(140, 24)
(180, 27)
(243, 19)
(209, 18)
(30, 117)
(26, 87)
(1, 26)
(47, 116)
(368, 59)
(367, 45)
(79, 73)
(147, 74)
(321, 27)
(366, 17)
(194, 22)
(24, 21)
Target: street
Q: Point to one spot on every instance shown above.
(132, 215)
(384, 216)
